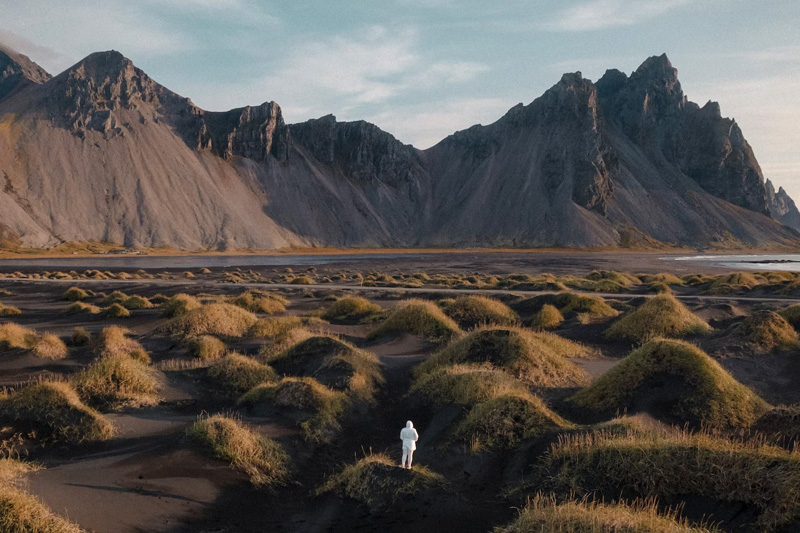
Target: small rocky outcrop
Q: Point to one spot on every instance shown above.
(782, 207)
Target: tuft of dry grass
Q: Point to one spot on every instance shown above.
(421, 318)
(678, 465)
(117, 381)
(472, 311)
(791, 314)
(322, 405)
(538, 359)
(660, 316)
(767, 331)
(114, 340)
(83, 307)
(548, 317)
(15, 336)
(75, 294)
(378, 482)
(54, 410)
(262, 459)
(205, 347)
(694, 388)
(544, 513)
(217, 319)
(115, 310)
(274, 327)
(351, 309)
(505, 421)
(466, 384)
(21, 512)
(333, 362)
(302, 280)
(238, 373)
(179, 305)
(81, 337)
(9, 310)
(260, 302)
(50, 346)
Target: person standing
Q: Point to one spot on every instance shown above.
(409, 436)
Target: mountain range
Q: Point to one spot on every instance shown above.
(102, 152)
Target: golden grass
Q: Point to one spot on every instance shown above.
(660, 316)
(15, 336)
(732, 283)
(421, 318)
(697, 390)
(570, 304)
(49, 346)
(678, 465)
(114, 341)
(472, 311)
(180, 304)
(205, 347)
(351, 309)
(260, 302)
(117, 381)
(302, 280)
(262, 459)
(135, 302)
(767, 331)
(335, 363)
(115, 310)
(663, 277)
(505, 421)
(54, 410)
(75, 294)
(21, 512)
(548, 317)
(544, 513)
(219, 319)
(323, 406)
(538, 359)
(274, 327)
(791, 314)
(466, 384)
(9, 310)
(377, 481)
(278, 344)
(238, 373)
(83, 307)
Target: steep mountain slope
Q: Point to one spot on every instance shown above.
(103, 152)
(782, 207)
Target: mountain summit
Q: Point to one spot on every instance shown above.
(102, 152)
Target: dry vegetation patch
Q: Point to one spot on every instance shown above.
(54, 411)
(274, 327)
(9, 310)
(378, 482)
(75, 294)
(117, 381)
(218, 319)
(114, 341)
(49, 346)
(660, 316)
(539, 359)
(351, 309)
(179, 305)
(471, 311)
(466, 384)
(205, 347)
(548, 317)
(767, 331)
(544, 513)
(238, 373)
(678, 465)
(421, 318)
(262, 459)
(676, 379)
(260, 302)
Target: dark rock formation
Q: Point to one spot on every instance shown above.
(782, 207)
(17, 72)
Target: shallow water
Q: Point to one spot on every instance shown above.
(788, 262)
(189, 262)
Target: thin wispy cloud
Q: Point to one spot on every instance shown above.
(602, 14)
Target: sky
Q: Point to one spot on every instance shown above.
(422, 69)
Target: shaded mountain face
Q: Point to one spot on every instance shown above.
(103, 152)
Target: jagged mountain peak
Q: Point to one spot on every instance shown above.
(17, 71)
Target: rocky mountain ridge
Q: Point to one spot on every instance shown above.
(103, 152)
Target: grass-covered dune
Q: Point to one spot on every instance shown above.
(219, 319)
(767, 331)
(238, 373)
(319, 407)
(537, 358)
(350, 310)
(674, 379)
(55, 411)
(117, 381)
(262, 459)
(544, 513)
(568, 304)
(472, 311)
(421, 318)
(379, 482)
(672, 467)
(260, 302)
(335, 363)
(114, 341)
(660, 316)
(465, 384)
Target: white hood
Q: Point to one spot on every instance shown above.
(409, 424)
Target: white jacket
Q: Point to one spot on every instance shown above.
(409, 436)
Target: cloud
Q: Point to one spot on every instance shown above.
(377, 66)
(424, 125)
(602, 14)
